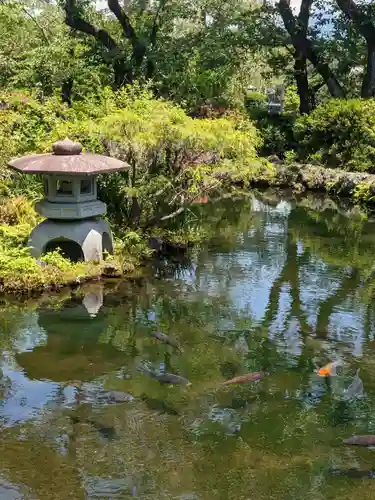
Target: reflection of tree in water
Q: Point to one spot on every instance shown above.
(308, 229)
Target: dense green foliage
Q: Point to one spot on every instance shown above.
(173, 159)
(127, 80)
(339, 133)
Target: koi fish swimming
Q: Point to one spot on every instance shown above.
(353, 473)
(361, 440)
(167, 340)
(329, 370)
(245, 379)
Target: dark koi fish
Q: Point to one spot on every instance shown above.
(158, 405)
(106, 432)
(167, 340)
(353, 473)
(171, 378)
(164, 378)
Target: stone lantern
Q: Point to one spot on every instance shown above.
(70, 205)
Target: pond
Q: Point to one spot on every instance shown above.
(285, 286)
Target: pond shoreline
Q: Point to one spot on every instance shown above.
(351, 188)
(359, 187)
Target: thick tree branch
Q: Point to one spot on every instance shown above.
(138, 45)
(304, 14)
(124, 20)
(155, 25)
(305, 46)
(74, 20)
(152, 39)
(159, 219)
(361, 21)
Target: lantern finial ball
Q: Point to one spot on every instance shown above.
(66, 147)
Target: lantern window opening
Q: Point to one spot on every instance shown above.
(64, 187)
(87, 186)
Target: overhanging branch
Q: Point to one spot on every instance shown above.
(75, 21)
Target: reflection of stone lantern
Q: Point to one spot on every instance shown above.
(93, 301)
(73, 350)
(70, 202)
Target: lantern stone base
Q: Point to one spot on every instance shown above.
(80, 240)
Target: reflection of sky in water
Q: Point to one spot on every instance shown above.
(30, 336)
(10, 491)
(26, 397)
(97, 487)
(244, 276)
(348, 327)
(248, 275)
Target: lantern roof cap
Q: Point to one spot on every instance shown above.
(67, 159)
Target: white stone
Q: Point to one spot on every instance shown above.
(82, 239)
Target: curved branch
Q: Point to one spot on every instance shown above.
(362, 22)
(40, 28)
(139, 47)
(124, 20)
(304, 14)
(75, 21)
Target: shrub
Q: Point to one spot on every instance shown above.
(25, 122)
(277, 134)
(339, 133)
(291, 101)
(173, 158)
(256, 104)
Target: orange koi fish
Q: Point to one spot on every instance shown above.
(328, 370)
(200, 200)
(244, 379)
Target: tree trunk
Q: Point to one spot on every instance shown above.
(300, 75)
(122, 68)
(138, 45)
(66, 91)
(304, 46)
(366, 28)
(123, 73)
(368, 84)
(67, 86)
(300, 61)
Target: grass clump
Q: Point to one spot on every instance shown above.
(19, 272)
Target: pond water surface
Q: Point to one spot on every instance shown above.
(282, 286)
